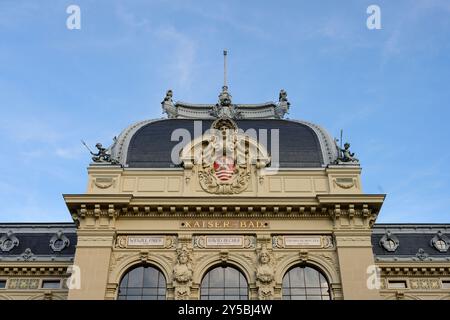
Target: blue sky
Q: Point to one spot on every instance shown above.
(388, 89)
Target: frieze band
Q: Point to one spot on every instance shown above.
(231, 241)
(153, 241)
(224, 224)
(299, 241)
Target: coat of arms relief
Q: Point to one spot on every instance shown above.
(224, 158)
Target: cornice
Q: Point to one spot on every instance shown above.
(364, 208)
(415, 269)
(351, 198)
(33, 269)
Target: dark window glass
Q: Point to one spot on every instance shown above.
(51, 284)
(2, 284)
(305, 283)
(142, 283)
(224, 283)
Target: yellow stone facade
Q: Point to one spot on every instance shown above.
(318, 217)
(301, 203)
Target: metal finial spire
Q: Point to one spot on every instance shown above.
(224, 96)
(225, 52)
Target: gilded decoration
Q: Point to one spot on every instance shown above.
(223, 158)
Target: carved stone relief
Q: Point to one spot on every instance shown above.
(265, 274)
(182, 273)
(8, 241)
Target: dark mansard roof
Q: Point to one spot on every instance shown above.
(413, 242)
(33, 241)
(148, 144)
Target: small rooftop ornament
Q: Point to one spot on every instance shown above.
(225, 108)
(283, 105)
(102, 156)
(168, 106)
(344, 154)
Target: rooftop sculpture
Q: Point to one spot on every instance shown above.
(225, 107)
(103, 155)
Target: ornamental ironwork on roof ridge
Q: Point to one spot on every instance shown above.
(225, 108)
(239, 105)
(421, 228)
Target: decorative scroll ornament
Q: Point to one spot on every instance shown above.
(8, 241)
(27, 255)
(59, 242)
(421, 254)
(389, 242)
(345, 183)
(440, 242)
(104, 182)
(224, 158)
(182, 274)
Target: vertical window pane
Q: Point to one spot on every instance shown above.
(311, 278)
(224, 284)
(151, 277)
(216, 277)
(143, 283)
(302, 283)
(297, 277)
(124, 282)
(135, 277)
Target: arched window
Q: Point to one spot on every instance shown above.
(224, 283)
(305, 283)
(143, 283)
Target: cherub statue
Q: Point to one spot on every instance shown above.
(346, 156)
(102, 156)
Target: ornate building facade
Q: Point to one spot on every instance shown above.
(224, 201)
